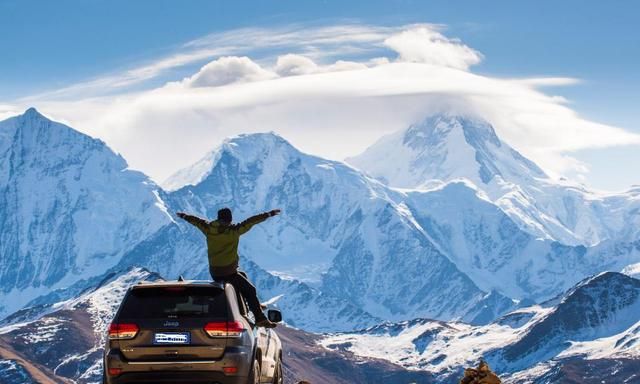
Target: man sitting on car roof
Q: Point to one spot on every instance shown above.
(222, 243)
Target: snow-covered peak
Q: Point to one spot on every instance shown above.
(249, 145)
(435, 129)
(246, 148)
(32, 112)
(445, 147)
(47, 142)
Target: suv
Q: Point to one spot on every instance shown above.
(190, 332)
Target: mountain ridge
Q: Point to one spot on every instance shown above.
(378, 250)
(526, 345)
(347, 253)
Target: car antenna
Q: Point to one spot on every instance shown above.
(180, 278)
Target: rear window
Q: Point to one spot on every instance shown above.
(174, 302)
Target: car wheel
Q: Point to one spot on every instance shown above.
(254, 377)
(278, 378)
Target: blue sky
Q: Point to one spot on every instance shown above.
(51, 45)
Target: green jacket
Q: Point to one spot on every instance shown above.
(222, 241)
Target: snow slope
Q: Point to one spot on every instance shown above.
(487, 245)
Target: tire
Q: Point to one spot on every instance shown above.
(254, 376)
(278, 378)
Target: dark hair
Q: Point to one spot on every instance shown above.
(224, 215)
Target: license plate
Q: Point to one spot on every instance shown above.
(172, 338)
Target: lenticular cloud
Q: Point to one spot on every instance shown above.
(327, 105)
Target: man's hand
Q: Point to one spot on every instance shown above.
(181, 215)
(274, 212)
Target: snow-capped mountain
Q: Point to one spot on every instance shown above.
(597, 320)
(69, 208)
(447, 147)
(348, 250)
(348, 234)
(381, 248)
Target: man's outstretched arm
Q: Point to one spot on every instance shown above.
(199, 223)
(246, 225)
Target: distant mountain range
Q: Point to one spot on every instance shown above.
(443, 221)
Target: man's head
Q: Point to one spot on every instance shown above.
(224, 216)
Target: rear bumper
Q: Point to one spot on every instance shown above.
(153, 377)
(182, 372)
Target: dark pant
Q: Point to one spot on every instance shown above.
(242, 284)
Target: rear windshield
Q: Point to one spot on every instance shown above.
(174, 302)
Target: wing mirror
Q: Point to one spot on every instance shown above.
(274, 315)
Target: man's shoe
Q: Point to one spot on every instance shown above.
(265, 323)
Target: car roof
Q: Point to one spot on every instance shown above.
(178, 283)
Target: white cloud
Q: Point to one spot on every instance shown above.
(424, 44)
(342, 65)
(7, 111)
(334, 108)
(295, 65)
(228, 70)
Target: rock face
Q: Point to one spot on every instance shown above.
(602, 306)
(69, 208)
(594, 324)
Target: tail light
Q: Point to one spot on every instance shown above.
(224, 329)
(230, 370)
(122, 331)
(115, 371)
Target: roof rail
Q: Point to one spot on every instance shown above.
(180, 278)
